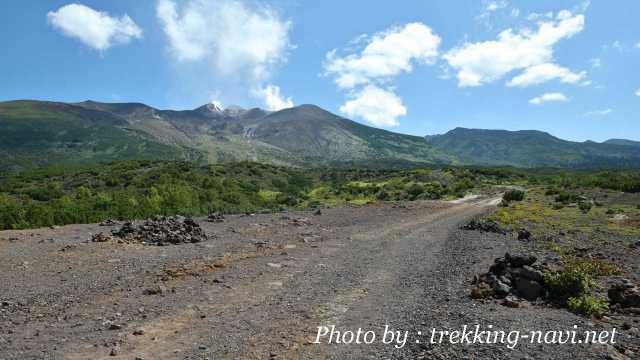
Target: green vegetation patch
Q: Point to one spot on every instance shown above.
(137, 189)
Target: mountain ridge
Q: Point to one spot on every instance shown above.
(39, 133)
(530, 148)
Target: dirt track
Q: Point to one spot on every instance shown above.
(260, 287)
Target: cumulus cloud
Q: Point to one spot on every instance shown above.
(372, 62)
(549, 97)
(376, 106)
(387, 54)
(485, 62)
(603, 112)
(235, 39)
(273, 99)
(96, 29)
(538, 74)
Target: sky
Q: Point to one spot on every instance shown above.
(418, 67)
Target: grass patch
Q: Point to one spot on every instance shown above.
(540, 213)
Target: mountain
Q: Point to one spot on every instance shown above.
(530, 148)
(35, 133)
(40, 133)
(623, 142)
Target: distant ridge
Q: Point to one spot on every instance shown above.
(530, 148)
(623, 142)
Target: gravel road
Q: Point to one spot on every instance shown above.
(260, 287)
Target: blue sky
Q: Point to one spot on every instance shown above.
(417, 67)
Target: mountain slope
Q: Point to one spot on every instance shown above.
(40, 133)
(530, 148)
(34, 134)
(320, 137)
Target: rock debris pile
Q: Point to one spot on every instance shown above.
(486, 226)
(625, 295)
(512, 277)
(159, 230)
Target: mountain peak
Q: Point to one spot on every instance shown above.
(214, 106)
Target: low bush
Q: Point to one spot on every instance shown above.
(585, 206)
(587, 304)
(513, 195)
(567, 197)
(571, 282)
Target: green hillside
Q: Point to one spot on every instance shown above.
(530, 149)
(36, 134)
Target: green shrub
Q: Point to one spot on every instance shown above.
(587, 304)
(513, 195)
(571, 282)
(585, 206)
(552, 191)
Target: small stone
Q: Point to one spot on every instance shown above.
(155, 291)
(138, 332)
(625, 294)
(113, 352)
(500, 289)
(524, 234)
(511, 302)
(114, 326)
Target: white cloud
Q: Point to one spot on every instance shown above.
(236, 40)
(638, 92)
(538, 16)
(273, 99)
(549, 97)
(95, 29)
(595, 63)
(372, 61)
(387, 54)
(538, 74)
(617, 45)
(496, 5)
(490, 7)
(603, 112)
(376, 106)
(638, 45)
(486, 62)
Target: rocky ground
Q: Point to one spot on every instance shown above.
(258, 286)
